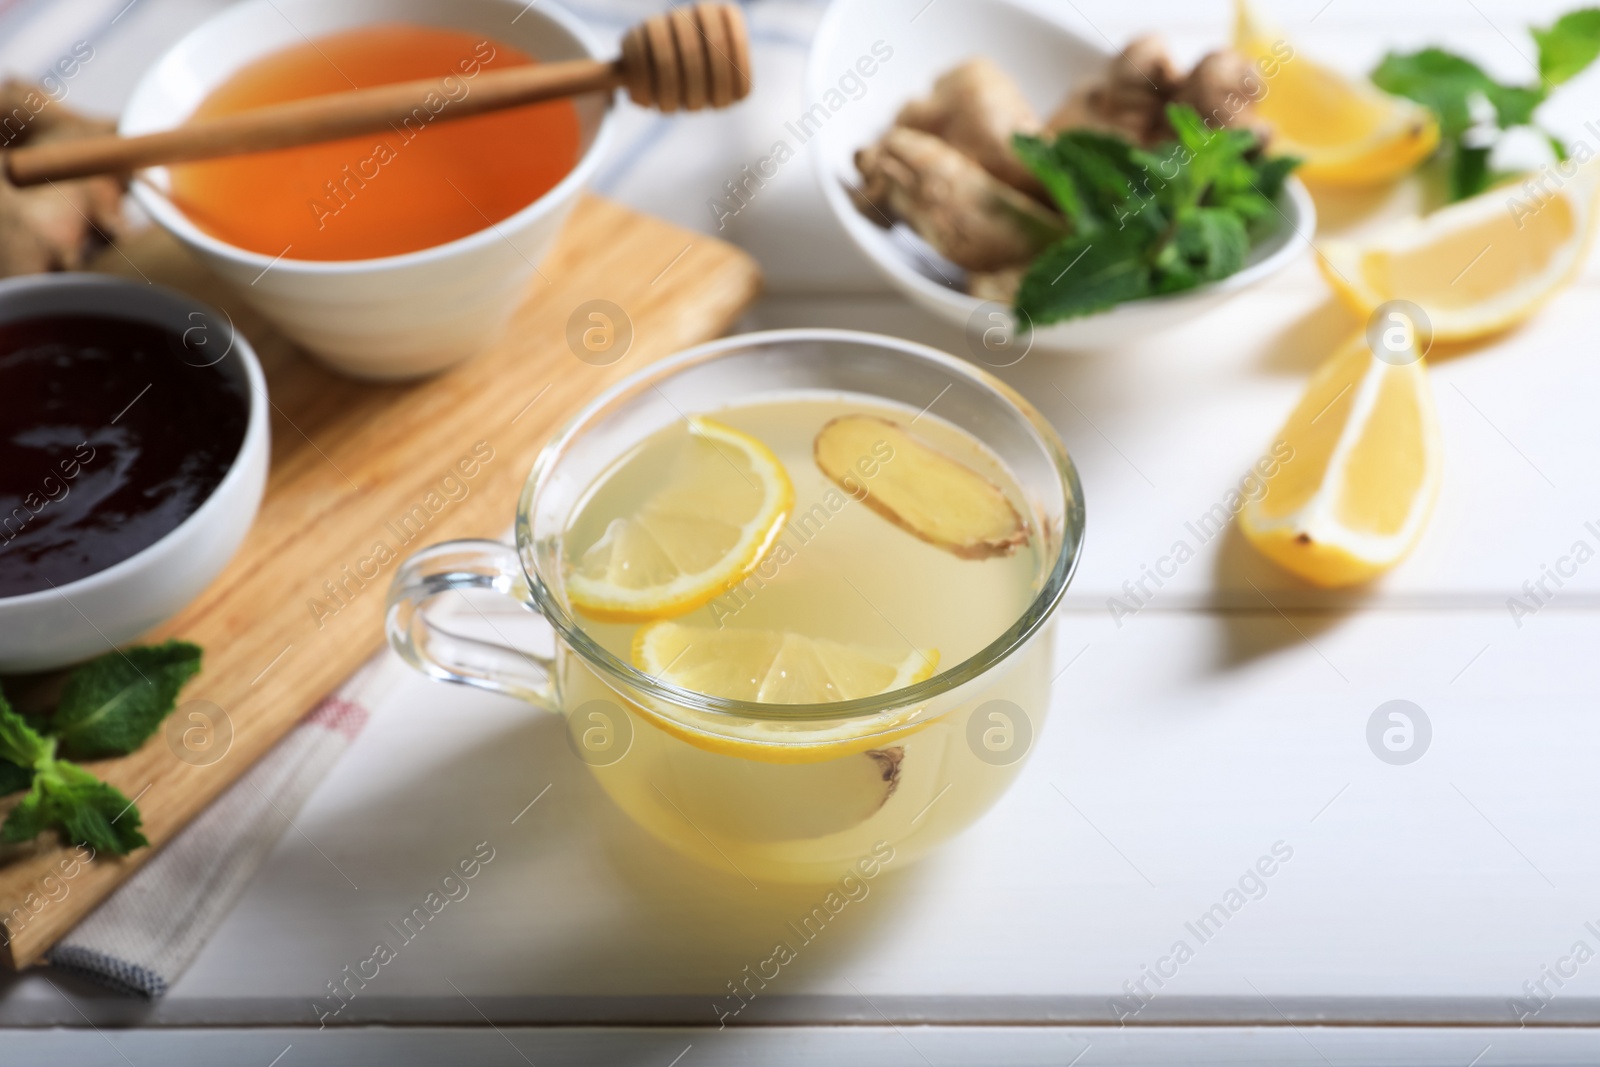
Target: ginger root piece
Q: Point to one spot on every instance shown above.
(1081, 111)
(918, 488)
(1131, 98)
(52, 226)
(967, 214)
(975, 108)
(1223, 87)
(998, 285)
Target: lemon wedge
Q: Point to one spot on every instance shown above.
(918, 488)
(1347, 130)
(695, 538)
(1360, 474)
(774, 667)
(1477, 266)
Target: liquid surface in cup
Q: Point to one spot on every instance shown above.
(842, 570)
(425, 183)
(112, 437)
(858, 603)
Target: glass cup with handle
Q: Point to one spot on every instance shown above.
(765, 791)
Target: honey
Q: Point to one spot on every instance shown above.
(427, 182)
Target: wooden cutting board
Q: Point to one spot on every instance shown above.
(348, 460)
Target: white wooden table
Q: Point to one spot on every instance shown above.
(1229, 716)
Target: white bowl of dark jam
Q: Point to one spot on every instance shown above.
(133, 454)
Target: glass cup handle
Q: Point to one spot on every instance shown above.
(450, 567)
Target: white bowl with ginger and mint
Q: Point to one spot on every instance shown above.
(962, 149)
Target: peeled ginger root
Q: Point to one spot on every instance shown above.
(969, 216)
(1131, 98)
(976, 108)
(918, 488)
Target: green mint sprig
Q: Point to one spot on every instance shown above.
(1454, 87)
(1146, 221)
(109, 707)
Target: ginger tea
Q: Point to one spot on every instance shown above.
(426, 182)
(901, 547)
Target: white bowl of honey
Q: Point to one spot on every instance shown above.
(387, 256)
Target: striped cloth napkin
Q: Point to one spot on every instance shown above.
(146, 933)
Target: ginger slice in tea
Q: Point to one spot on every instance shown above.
(918, 488)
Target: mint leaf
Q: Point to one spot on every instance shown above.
(1146, 222)
(1039, 157)
(1119, 189)
(1272, 173)
(1251, 191)
(1469, 172)
(1095, 178)
(111, 705)
(1441, 81)
(1514, 104)
(1258, 206)
(79, 807)
(1569, 45)
(27, 820)
(1216, 156)
(1208, 243)
(93, 813)
(1086, 273)
(1449, 85)
(20, 744)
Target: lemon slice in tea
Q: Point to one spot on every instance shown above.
(774, 667)
(697, 536)
(777, 667)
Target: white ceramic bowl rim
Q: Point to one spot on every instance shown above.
(160, 208)
(255, 425)
(1295, 205)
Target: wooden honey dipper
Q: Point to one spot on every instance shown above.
(686, 59)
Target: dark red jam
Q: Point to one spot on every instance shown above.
(109, 439)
